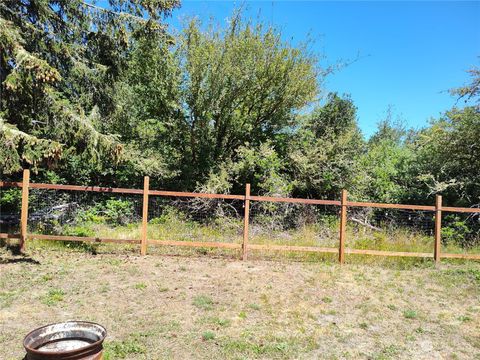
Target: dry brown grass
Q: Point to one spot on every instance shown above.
(172, 307)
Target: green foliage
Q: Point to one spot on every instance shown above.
(115, 211)
(384, 169)
(109, 97)
(449, 156)
(10, 200)
(170, 215)
(264, 168)
(79, 230)
(118, 211)
(323, 154)
(242, 84)
(58, 62)
(455, 230)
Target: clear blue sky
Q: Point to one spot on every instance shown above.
(411, 53)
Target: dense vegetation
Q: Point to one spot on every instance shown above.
(95, 96)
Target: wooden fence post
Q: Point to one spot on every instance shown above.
(343, 225)
(245, 222)
(146, 186)
(24, 214)
(438, 228)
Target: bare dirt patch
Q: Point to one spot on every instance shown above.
(162, 307)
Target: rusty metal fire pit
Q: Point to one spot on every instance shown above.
(71, 340)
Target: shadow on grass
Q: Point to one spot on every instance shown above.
(15, 256)
(24, 259)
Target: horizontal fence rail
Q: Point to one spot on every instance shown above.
(343, 205)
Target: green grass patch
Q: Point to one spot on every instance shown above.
(203, 302)
(254, 306)
(140, 286)
(388, 352)
(123, 349)
(53, 297)
(208, 335)
(410, 314)
(265, 348)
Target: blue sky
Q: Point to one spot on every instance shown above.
(411, 53)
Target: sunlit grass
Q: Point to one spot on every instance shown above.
(324, 235)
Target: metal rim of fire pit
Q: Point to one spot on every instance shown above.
(35, 336)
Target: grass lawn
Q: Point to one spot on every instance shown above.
(206, 307)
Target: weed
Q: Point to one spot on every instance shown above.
(419, 330)
(327, 299)
(114, 262)
(208, 335)
(387, 352)
(53, 297)
(140, 286)
(203, 302)
(215, 321)
(122, 349)
(363, 325)
(254, 306)
(410, 314)
(242, 315)
(464, 318)
(267, 348)
(47, 277)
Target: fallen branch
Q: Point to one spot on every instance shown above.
(363, 223)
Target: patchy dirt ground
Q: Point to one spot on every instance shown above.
(165, 307)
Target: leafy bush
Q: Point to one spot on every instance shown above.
(118, 211)
(456, 231)
(91, 215)
(170, 214)
(80, 230)
(10, 200)
(114, 211)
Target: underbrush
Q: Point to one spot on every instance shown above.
(176, 226)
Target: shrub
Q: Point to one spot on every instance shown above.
(455, 231)
(114, 211)
(118, 211)
(10, 200)
(170, 214)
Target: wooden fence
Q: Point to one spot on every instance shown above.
(344, 204)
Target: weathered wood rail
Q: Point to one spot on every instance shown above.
(245, 246)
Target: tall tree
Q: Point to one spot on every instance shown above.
(323, 153)
(385, 167)
(241, 85)
(58, 62)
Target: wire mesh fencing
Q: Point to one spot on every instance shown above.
(195, 222)
(236, 224)
(60, 212)
(397, 230)
(461, 233)
(293, 230)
